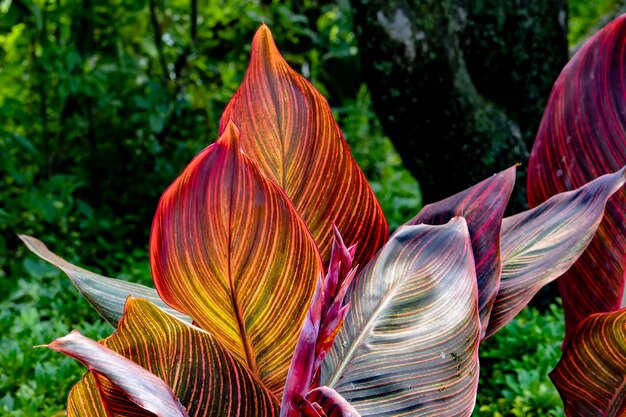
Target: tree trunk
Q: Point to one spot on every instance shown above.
(460, 85)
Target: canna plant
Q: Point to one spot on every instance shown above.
(591, 95)
(261, 309)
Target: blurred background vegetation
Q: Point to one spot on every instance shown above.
(102, 104)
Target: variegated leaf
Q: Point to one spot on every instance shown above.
(482, 206)
(107, 295)
(581, 137)
(228, 248)
(409, 344)
(288, 129)
(539, 245)
(591, 376)
(148, 343)
(117, 375)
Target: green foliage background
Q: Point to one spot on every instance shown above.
(102, 104)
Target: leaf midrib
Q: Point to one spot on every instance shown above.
(250, 358)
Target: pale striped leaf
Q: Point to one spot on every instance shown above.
(127, 380)
(409, 344)
(288, 129)
(107, 295)
(539, 245)
(591, 376)
(228, 248)
(581, 137)
(483, 207)
(205, 378)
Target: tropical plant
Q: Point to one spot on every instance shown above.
(251, 271)
(590, 95)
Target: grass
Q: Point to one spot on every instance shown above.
(42, 306)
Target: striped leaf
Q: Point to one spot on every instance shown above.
(288, 129)
(107, 295)
(539, 245)
(581, 137)
(135, 390)
(85, 399)
(328, 403)
(153, 358)
(591, 376)
(409, 344)
(482, 206)
(228, 248)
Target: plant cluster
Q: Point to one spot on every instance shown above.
(261, 309)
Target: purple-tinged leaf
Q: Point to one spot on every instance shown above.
(591, 376)
(301, 371)
(409, 344)
(581, 137)
(539, 245)
(143, 388)
(482, 206)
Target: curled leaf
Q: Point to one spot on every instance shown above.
(482, 206)
(539, 245)
(329, 403)
(143, 388)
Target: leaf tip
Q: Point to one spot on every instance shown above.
(263, 45)
(230, 137)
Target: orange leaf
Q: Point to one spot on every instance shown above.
(288, 129)
(228, 249)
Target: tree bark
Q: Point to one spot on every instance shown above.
(460, 85)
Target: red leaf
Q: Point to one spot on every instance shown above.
(581, 137)
(288, 129)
